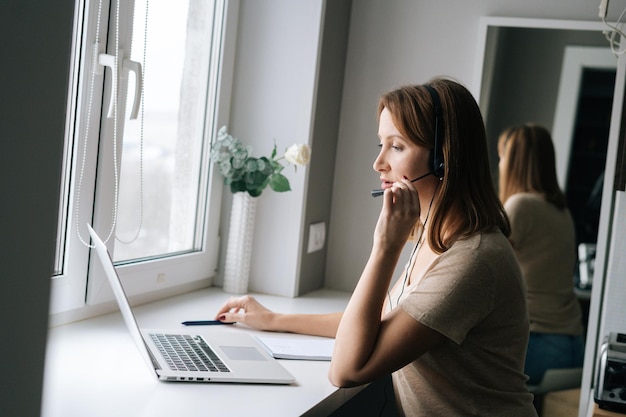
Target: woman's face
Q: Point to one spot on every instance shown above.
(399, 157)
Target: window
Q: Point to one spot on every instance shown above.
(142, 111)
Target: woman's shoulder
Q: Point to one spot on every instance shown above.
(525, 198)
(525, 204)
(480, 260)
(485, 243)
(532, 206)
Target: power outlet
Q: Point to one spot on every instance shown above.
(317, 237)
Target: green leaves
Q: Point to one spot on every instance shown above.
(244, 173)
(279, 183)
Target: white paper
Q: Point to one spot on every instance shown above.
(317, 349)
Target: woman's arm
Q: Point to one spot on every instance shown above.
(249, 311)
(366, 347)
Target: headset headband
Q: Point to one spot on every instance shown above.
(437, 153)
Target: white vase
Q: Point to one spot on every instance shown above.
(239, 247)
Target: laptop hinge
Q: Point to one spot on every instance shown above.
(155, 363)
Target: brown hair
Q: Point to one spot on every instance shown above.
(528, 164)
(466, 202)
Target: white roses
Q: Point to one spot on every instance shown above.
(298, 154)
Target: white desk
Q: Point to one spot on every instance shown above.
(94, 370)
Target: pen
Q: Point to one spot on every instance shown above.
(204, 322)
(378, 193)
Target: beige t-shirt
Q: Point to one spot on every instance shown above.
(544, 241)
(475, 296)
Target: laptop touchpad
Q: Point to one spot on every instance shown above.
(243, 353)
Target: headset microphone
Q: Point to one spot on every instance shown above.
(378, 193)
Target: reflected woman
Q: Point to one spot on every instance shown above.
(543, 237)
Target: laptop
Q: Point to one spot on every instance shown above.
(193, 356)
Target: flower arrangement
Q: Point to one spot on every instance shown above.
(243, 172)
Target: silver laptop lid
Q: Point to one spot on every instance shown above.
(120, 296)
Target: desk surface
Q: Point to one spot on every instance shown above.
(93, 368)
(599, 412)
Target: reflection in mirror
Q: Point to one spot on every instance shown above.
(583, 112)
(560, 75)
(526, 78)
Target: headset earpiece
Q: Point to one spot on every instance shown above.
(436, 155)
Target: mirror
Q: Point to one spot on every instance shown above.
(560, 74)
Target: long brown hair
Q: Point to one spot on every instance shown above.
(528, 164)
(466, 202)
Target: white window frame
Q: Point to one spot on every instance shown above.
(81, 282)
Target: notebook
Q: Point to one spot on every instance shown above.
(194, 356)
(291, 347)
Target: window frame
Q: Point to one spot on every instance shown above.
(81, 283)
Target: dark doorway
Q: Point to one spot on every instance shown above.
(588, 152)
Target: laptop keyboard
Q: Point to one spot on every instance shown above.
(187, 353)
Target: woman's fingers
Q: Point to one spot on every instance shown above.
(233, 305)
(247, 310)
(405, 198)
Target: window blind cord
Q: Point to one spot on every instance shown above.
(114, 93)
(94, 65)
(615, 31)
(141, 136)
(116, 176)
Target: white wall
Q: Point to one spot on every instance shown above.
(390, 43)
(394, 43)
(614, 310)
(274, 88)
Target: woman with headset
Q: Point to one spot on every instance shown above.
(543, 237)
(453, 329)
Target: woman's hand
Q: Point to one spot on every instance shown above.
(246, 310)
(249, 311)
(400, 212)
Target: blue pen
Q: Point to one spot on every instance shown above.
(204, 322)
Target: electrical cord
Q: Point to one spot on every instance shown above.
(408, 269)
(611, 35)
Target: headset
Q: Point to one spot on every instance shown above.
(436, 156)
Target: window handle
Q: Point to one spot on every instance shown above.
(135, 67)
(108, 60)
